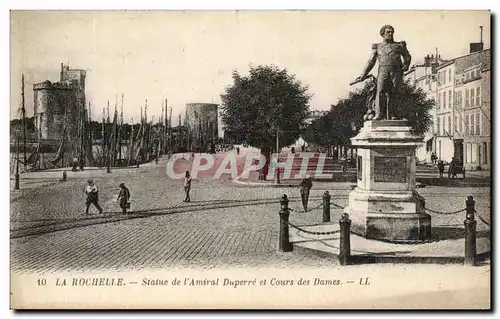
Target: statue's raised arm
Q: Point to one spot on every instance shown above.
(369, 65)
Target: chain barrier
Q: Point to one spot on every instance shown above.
(313, 232)
(336, 205)
(445, 213)
(481, 218)
(317, 206)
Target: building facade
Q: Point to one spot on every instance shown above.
(460, 88)
(59, 106)
(472, 123)
(201, 121)
(444, 134)
(424, 76)
(315, 115)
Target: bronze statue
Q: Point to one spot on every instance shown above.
(390, 71)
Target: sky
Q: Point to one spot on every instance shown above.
(189, 56)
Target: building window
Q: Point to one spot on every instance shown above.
(485, 156)
(478, 126)
(438, 104)
(471, 124)
(449, 99)
(449, 77)
(449, 124)
(439, 150)
(438, 128)
(444, 125)
(474, 153)
(460, 128)
(455, 128)
(466, 98)
(444, 100)
(472, 91)
(467, 153)
(478, 96)
(486, 126)
(444, 77)
(467, 131)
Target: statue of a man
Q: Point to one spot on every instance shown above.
(390, 70)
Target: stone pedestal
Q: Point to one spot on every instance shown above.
(385, 203)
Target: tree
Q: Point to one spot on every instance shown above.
(267, 102)
(320, 132)
(410, 103)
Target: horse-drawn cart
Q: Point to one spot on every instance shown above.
(456, 168)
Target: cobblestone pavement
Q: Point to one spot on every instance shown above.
(211, 230)
(158, 241)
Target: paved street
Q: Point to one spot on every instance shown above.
(223, 225)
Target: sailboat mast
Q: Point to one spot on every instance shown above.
(91, 136)
(24, 121)
(169, 124)
(121, 129)
(163, 128)
(82, 135)
(103, 133)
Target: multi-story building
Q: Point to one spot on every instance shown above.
(58, 106)
(424, 76)
(472, 105)
(460, 88)
(201, 121)
(315, 114)
(445, 143)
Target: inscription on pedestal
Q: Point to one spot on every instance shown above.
(390, 169)
(360, 167)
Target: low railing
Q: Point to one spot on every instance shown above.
(470, 234)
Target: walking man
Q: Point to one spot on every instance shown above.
(92, 193)
(441, 168)
(74, 164)
(187, 186)
(124, 198)
(305, 188)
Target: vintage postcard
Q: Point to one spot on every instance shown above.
(250, 159)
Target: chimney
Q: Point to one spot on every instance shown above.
(477, 46)
(427, 60)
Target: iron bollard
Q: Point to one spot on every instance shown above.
(345, 240)
(470, 232)
(284, 244)
(64, 176)
(326, 207)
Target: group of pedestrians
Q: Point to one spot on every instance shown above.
(92, 193)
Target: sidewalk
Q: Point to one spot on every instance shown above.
(447, 245)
